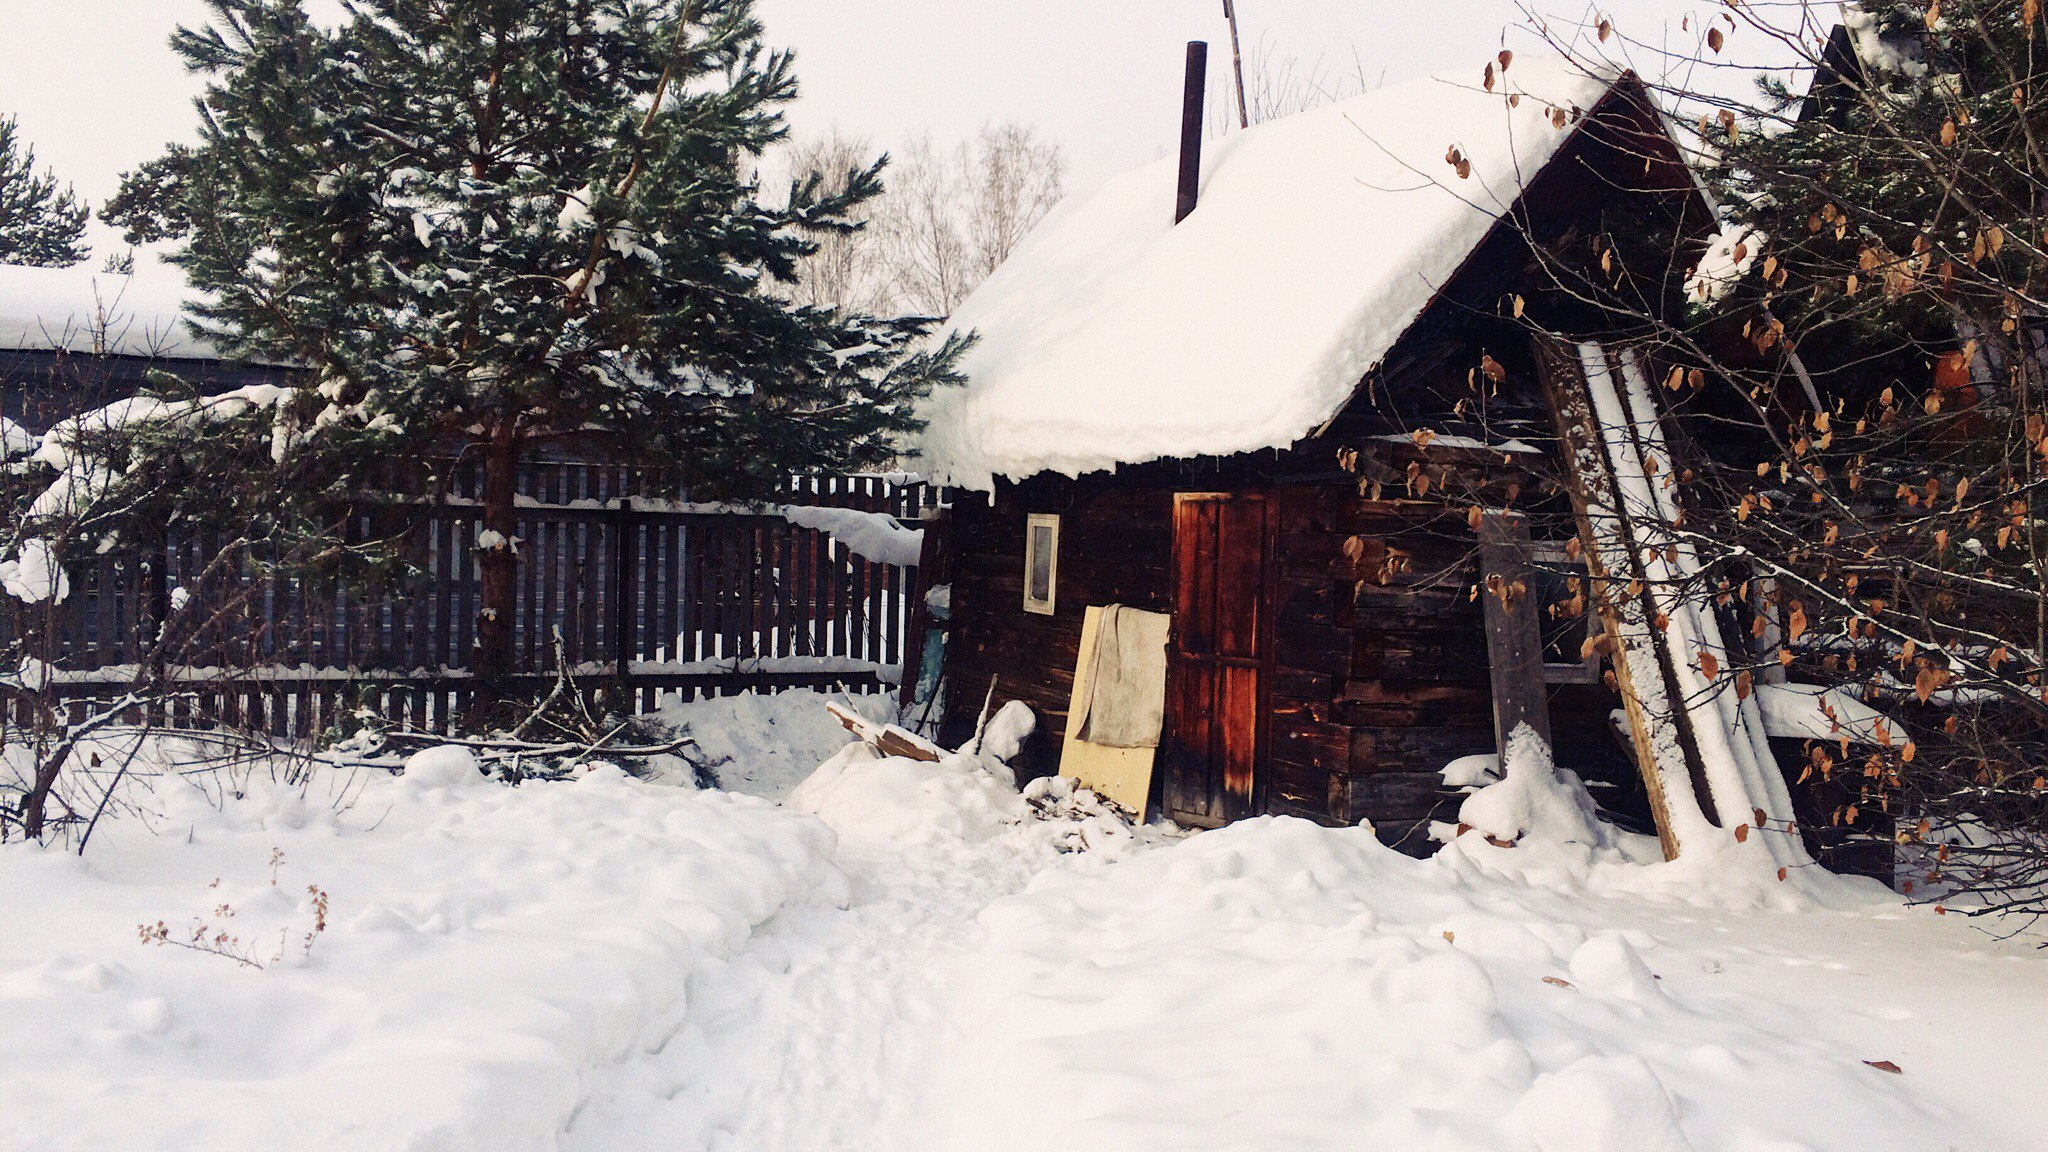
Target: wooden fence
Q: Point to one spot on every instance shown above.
(638, 594)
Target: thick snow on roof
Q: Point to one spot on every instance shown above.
(1112, 336)
(82, 309)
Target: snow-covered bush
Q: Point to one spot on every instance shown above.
(112, 490)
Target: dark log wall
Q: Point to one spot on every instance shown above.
(1115, 547)
(1380, 662)
(1380, 672)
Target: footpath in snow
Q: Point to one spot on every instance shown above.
(912, 957)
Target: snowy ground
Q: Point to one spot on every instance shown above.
(907, 957)
(764, 744)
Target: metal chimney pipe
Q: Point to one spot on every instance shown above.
(1191, 129)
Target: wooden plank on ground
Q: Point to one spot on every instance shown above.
(887, 739)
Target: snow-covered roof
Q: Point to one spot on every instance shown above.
(1112, 336)
(82, 309)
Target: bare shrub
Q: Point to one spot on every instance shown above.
(947, 218)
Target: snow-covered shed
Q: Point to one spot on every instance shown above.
(1276, 421)
(72, 339)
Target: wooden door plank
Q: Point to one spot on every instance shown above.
(1236, 740)
(1194, 581)
(1514, 632)
(1240, 544)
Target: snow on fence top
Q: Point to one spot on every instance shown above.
(82, 309)
(1112, 336)
(875, 536)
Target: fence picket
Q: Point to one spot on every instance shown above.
(632, 587)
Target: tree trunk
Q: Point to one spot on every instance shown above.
(498, 567)
(46, 726)
(35, 803)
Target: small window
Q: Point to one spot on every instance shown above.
(1041, 561)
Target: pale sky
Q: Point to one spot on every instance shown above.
(97, 90)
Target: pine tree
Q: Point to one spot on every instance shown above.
(1883, 197)
(41, 225)
(509, 223)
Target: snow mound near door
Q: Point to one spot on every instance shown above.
(1280, 984)
(862, 794)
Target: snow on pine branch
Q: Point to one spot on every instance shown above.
(15, 440)
(34, 573)
(874, 536)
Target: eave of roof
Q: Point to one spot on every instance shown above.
(1112, 337)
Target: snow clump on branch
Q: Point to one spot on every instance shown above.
(75, 450)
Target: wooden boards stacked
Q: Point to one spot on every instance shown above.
(1697, 728)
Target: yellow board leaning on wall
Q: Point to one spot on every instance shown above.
(1120, 775)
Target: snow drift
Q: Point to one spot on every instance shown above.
(1276, 984)
(611, 965)
(489, 949)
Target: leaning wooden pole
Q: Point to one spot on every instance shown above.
(1244, 116)
(1719, 712)
(1698, 731)
(1617, 590)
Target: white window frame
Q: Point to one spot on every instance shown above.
(1032, 523)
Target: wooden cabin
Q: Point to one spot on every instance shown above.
(1278, 420)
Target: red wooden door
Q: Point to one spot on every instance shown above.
(1216, 658)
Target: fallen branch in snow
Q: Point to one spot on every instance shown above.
(501, 750)
(564, 684)
(888, 739)
(566, 713)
